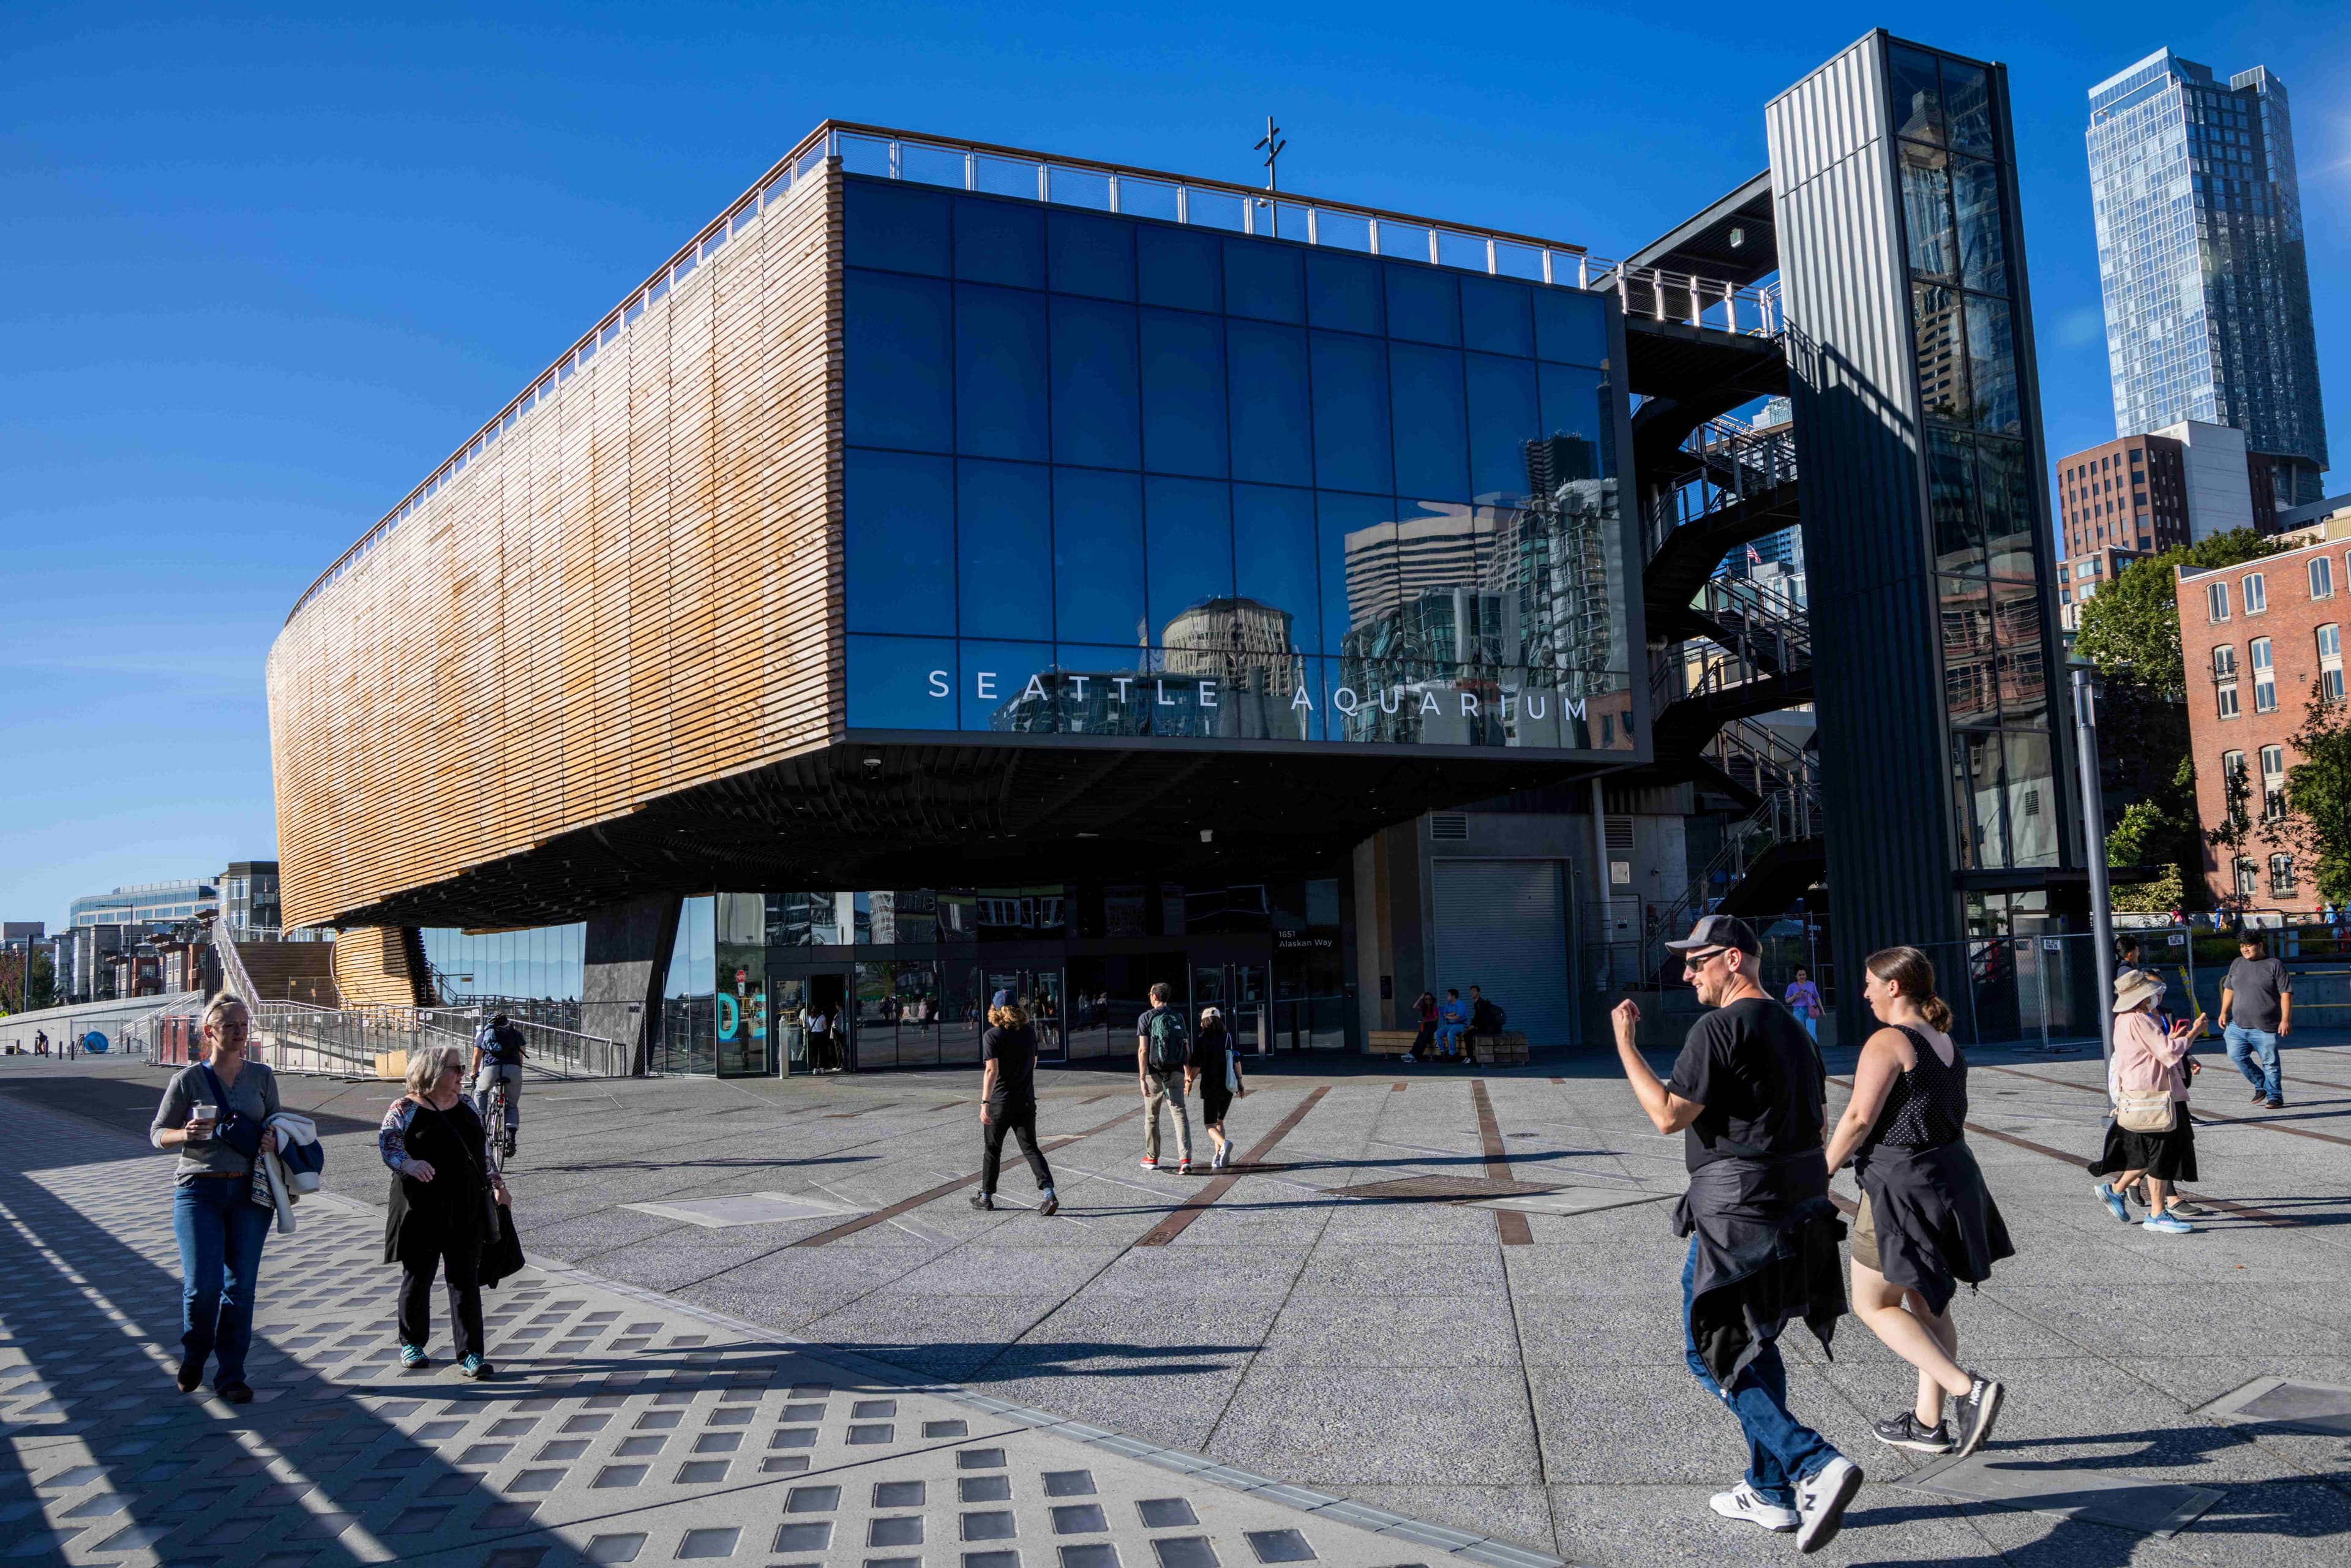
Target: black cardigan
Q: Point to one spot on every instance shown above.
(448, 1216)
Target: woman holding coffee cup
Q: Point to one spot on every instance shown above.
(213, 1113)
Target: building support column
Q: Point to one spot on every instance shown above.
(627, 963)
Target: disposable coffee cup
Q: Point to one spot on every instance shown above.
(200, 1123)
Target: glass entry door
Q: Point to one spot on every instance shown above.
(1310, 1003)
(1039, 990)
(788, 1013)
(1237, 990)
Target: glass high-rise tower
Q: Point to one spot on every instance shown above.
(2202, 259)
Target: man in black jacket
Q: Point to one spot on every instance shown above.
(1749, 1094)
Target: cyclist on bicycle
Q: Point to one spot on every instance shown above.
(498, 1060)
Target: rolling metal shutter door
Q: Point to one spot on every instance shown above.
(1502, 926)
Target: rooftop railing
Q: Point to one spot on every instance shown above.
(985, 167)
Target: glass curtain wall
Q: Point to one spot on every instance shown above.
(1958, 217)
(1107, 476)
(532, 974)
(688, 1037)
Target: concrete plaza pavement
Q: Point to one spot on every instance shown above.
(1511, 1374)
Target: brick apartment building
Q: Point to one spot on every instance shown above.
(2117, 503)
(2258, 638)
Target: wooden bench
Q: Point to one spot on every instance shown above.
(1389, 1041)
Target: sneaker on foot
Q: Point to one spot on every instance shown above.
(2135, 1194)
(1820, 1502)
(1408, 1056)
(2260, 1096)
(474, 1367)
(2168, 1225)
(2273, 1104)
(1972, 1413)
(981, 1200)
(1148, 1163)
(1051, 1206)
(2192, 1210)
(413, 1357)
(235, 1392)
(2112, 1200)
(190, 1376)
(1740, 1502)
(1906, 1431)
(1183, 1165)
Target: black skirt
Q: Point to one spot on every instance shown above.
(1937, 1226)
(2165, 1157)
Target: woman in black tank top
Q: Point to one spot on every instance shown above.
(1925, 1220)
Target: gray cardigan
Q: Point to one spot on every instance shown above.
(255, 1094)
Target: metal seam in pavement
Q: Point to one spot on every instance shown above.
(1169, 1229)
(1512, 1228)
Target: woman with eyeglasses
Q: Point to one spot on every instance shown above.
(215, 1114)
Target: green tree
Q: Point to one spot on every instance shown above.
(2318, 827)
(2129, 630)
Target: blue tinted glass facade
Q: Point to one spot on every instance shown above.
(1110, 476)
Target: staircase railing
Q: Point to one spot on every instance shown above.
(1785, 816)
(233, 978)
(1734, 462)
(1765, 631)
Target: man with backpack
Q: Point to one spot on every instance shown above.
(1485, 1018)
(1163, 1049)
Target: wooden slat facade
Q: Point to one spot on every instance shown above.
(633, 591)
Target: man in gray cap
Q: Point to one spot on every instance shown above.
(1749, 1095)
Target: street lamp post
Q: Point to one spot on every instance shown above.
(2093, 823)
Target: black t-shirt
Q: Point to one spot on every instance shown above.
(1014, 1051)
(1208, 1048)
(1759, 1077)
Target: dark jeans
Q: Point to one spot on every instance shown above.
(1020, 1119)
(465, 1275)
(1781, 1449)
(220, 1229)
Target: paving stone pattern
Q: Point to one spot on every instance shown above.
(623, 1428)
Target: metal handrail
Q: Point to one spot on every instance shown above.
(355, 1037)
(234, 978)
(1007, 171)
(1731, 466)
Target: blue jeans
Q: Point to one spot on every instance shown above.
(1781, 1449)
(2261, 1046)
(220, 1229)
(1448, 1036)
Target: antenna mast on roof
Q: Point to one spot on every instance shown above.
(1271, 144)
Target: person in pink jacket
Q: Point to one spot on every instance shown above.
(2147, 1056)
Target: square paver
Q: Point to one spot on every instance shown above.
(1280, 1546)
(1089, 1554)
(1184, 1552)
(1166, 1513)
(612, 1476)
(899, 1494)
(947, 1430)
(993, 1525)
(701, 1472)
(979, 1459)
(895, 1530)
(1069, 1483)
(1079, 1518)
(812, 1499)
(717, 1541)
(814, 1535)
(870, 1435)
(983, 1489)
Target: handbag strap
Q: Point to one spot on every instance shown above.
(220, 1094)
(473, 1156)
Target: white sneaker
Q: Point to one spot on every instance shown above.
(1820, 1502)
(1408, 1056)
(1740, 1502)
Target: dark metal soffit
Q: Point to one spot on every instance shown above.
(1702, 244)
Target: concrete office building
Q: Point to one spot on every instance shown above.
(248, 896)
(2202, 260)
(1116, 576)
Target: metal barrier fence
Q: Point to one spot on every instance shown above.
(294, 1037)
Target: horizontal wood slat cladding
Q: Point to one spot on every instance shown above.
(375, 966)
(634, 590)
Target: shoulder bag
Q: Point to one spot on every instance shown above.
(2144, 1109)
(238, 1131)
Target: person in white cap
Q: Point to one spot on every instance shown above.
(1750, 1095)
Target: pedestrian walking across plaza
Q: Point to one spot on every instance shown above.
(1007, 1101)
(216, 1114)
(1215, 1077)
(1163, 1059)
(446, 1213)
(1750, 1097)
(2151, 1135)
(1927, 1221)
(2256, 1012)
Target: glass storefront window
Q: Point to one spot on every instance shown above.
(688, 1039)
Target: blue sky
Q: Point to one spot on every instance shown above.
(260, 269)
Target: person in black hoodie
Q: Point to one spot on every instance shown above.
(1750, 1094)
(447, 1210)
(1007, 1101)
